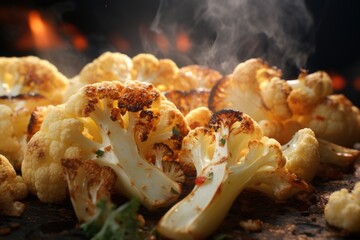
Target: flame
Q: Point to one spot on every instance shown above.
(78, 40)
(162, 42)
(338, 81)
(183, 43)
(356, 84)
(43, 34)
(122, 44)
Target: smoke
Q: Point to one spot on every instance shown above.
(227, 32)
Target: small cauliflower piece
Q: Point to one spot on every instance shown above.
(88, 184)
(343, 209)
(108, 66)
(186, 101)
(302, 154)
(334, 119)
(12, 189)
(241, 90)
(162, 73)
(227, 155)
(308, 91)
(32, 75)
(196, 77)
(114, 124)
(25, 83)
(198, 117)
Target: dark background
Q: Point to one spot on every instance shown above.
(119, 25)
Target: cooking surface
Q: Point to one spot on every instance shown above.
(295, 219)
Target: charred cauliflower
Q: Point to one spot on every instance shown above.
(116, 125)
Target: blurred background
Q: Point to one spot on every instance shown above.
(292, 35)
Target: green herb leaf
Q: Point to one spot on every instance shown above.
(175, 131)
(222, 141)
(210, 176)
(172, 190)
(110, 223)
(99, 153)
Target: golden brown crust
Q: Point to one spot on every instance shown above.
(186, 101)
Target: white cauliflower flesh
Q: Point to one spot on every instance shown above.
(226, 157)
(343, 209)
(116, 125)
(12, 189)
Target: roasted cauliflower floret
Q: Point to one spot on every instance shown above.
(343, 209)
(302, 154)
(26, 82)
(186, 101)
(196, 77)
(308, 91)
(227, 155)
(198, 117)
(108, 66)
(335, 119)
(12, 189)
(88, 184)
(32, 75)
(162, 73)
(116, 125)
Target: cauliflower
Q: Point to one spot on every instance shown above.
(31, 75)
(302, 154)
(226, 157)
(343, 209)
(196, 77)
(108, 66)
(12, 189)
(334, 119)
(308, 91)
(241, 90)
(186, 101)
(161, 73)
(198, 117)
(114, 124)
(88, 184)
(25, 83)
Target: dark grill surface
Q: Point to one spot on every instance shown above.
(294, 219)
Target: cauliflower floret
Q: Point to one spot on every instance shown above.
(88, 184)
(161, 73)
(343, 209)
(32, 75)
(26, 83)
(228, 155)
(196, 77)
(108, 66)
(12, 189)
(186, 101)
(198, 117)
(308, 91)
(335, 119)
(302, 154)
(114, 124)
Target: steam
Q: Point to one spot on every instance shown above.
(225, 33)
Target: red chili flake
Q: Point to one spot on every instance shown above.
(320, 118)
(200, 180)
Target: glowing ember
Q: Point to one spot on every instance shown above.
(183, 42)
(43, 34)
(338, 81)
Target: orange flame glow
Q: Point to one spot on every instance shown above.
(183, 43)
(162, 42)
(43, 34)
(338, 82)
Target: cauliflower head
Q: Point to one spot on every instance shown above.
(108, 66)
(12, 189)
(117, 125)
(343, 209)
(335, 119)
